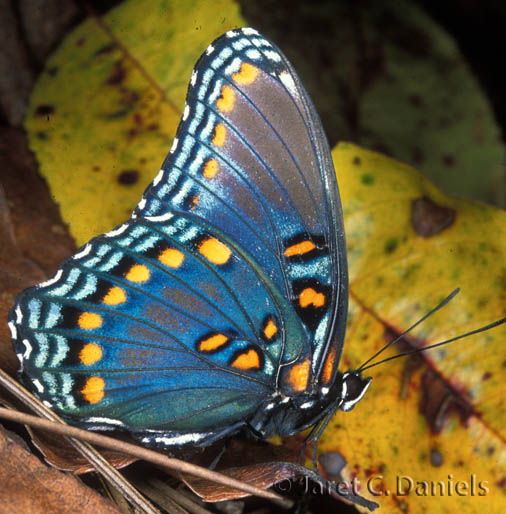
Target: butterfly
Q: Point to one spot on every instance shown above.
(220, 306)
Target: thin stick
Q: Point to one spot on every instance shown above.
(109, 472)
(141, 453)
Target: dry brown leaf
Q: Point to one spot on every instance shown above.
(28, 486)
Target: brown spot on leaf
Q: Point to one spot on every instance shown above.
(117, 75)
(429, 218)
(356, 161)
(416, 100)
(128, 177)
(332, 463)
(391, 245)
(81, 41)
(129, 97)
(106, 49)
(448, 160)
(96, 168)
(486, 375)
(439, 401)
(436, 459)
(44, 110)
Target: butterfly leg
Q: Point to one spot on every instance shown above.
(314, 436)
(218, 457)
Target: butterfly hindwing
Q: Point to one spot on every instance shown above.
(139, 315)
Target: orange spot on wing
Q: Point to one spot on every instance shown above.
(220, 135)
(246, 75)
(270, 329)
(210, 168)
(89, 320)
(93, 390)
(138, 273)
(114, 296)
(212, 343)
(90, 353)
(328, 366)
(227, 99)
(247, 360)
(215, 251)
(171, 257)
(299, 248)
(298, 375)
(311, 297)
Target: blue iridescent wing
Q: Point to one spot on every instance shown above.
(228, 274)
(251, 158)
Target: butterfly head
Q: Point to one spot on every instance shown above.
(354, 386)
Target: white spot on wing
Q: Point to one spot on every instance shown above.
(142, 203)
(175, 440)
(272, 55)
(38, 385)
(163, 217)
(193, 80)
(53, 280)
(231, 33)
(306, 405)
(233, 66)
(253, 54)
(174, 145)
(19, 315)
(28, 350)
(105, 421)
(287, 80)
(117, 231)
(158, 178)
(248, 31)
(14, 332)
(83, 253)
(186, 112)
(210, 50)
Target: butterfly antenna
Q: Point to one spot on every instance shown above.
(411, 352)
(398, 338)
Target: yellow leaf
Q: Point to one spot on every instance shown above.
(106, 107)
(440, 417)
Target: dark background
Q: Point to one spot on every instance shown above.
(31, 29)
